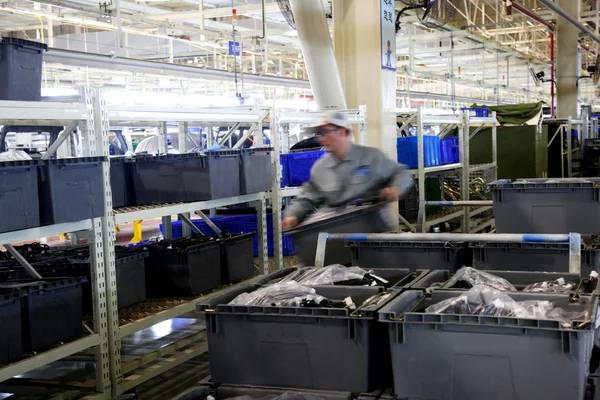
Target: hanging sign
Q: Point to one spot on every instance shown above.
(388, 35)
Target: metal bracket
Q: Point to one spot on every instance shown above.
(476, 131)
(186, 220)
(21, 260)
(208, 222)
(229, 133)
(60, 140)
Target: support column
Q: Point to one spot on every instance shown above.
(568, 62)
(362, 30)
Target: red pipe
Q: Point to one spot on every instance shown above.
(552, 93)
(525, 11)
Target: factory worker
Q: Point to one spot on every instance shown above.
(348, 172)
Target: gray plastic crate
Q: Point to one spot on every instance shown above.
(400, 278)
(519, 279)
(547, 205)
(413, 255)
(306, 348)
(550, 257)
(351, 219)
(255, 170)
(448, 356)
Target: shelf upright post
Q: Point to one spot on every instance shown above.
(258, 133)
(93, 138)
(263, 251)
(569, 148)
(276, 189)
(362, 111)
(162, 149)
(422, 214)
(102, 128)
(465, 171)
(182, 136)
(495, 146)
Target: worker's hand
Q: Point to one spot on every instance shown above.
(289, 222)
(391, 194)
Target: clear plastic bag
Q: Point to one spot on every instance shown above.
(286, 294)
(484, 300)
(557, 286)
(476, 277)
(14, 155)
(330, 275)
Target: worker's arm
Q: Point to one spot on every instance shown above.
(303, 205)
(399, 178)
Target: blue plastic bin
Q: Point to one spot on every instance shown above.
(300, 164)
(285, 175)
(477, 112)
(408, 153)
(449, 152)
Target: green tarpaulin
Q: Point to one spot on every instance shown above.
(515, 114)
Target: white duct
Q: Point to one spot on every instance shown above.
(317, 48)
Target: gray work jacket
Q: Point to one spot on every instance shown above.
(362, 175)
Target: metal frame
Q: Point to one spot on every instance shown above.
(565, 128)
(95, 142)
(280, 122)
(574, 240)
(185, 348)
(462, 121)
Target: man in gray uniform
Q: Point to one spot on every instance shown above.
(349, 172)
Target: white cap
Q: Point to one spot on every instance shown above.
(333, 118)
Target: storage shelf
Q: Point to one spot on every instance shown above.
(44, 231)
(130, 214)
(290, 192)
(439, 168)
(45, 113)
(482, 167)
(48, 357)
(185, 307)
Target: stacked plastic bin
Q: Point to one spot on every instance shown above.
(408, 153)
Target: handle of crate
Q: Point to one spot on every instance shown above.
(574, 240)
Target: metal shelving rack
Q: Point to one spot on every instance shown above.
(93, 118)
(462, 121)
(85, 116)
(129, 375)
(565, 127)
(280, 123)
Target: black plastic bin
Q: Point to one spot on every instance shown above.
(21, 69)
(351, 219)
(131, 278)
(305, 348)
(551, 257)
(398, 278)
(183, 267)
(413, 255)
(451, 356)
(52, 310)
(121, 182)
(71, 189)
(519, 279)
(19, 195)
(237, 258)
(547, 205)
(11, 342)
(174, 178)
(256, 172)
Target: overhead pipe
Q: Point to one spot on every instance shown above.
(264, 22)
(319, 57)
(574, 21)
